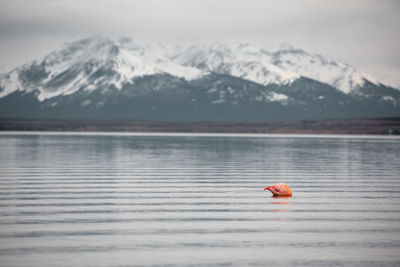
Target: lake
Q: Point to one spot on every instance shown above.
(86, 199)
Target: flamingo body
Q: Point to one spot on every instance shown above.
(282, 190)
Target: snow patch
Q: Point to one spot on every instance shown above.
(219, 101)
(389, 99)
(90, 87)
(212, 90)
(277, 97)
(85, 103)
(10, 83)
(259, 98)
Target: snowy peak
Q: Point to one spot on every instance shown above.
(239, 60)
(323, 69)
(272, 64)
(90, 64)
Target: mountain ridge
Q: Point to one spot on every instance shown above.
(98, 76)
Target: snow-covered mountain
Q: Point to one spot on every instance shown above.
(100, 77)
(91, 64)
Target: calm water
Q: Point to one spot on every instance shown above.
(127, 200)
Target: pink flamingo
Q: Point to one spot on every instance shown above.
(282, 190)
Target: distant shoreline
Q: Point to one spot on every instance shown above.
(379, 126)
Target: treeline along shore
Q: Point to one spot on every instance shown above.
(385, 126)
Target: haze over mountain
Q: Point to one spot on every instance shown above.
(99, 77)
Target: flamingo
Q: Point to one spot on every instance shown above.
(282, 190)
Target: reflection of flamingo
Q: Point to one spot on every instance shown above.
(280, 190)
(281, 202)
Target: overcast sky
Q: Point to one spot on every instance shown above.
(364, 34)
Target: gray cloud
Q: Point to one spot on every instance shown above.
(362, 33)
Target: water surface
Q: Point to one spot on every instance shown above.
(178, 200)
